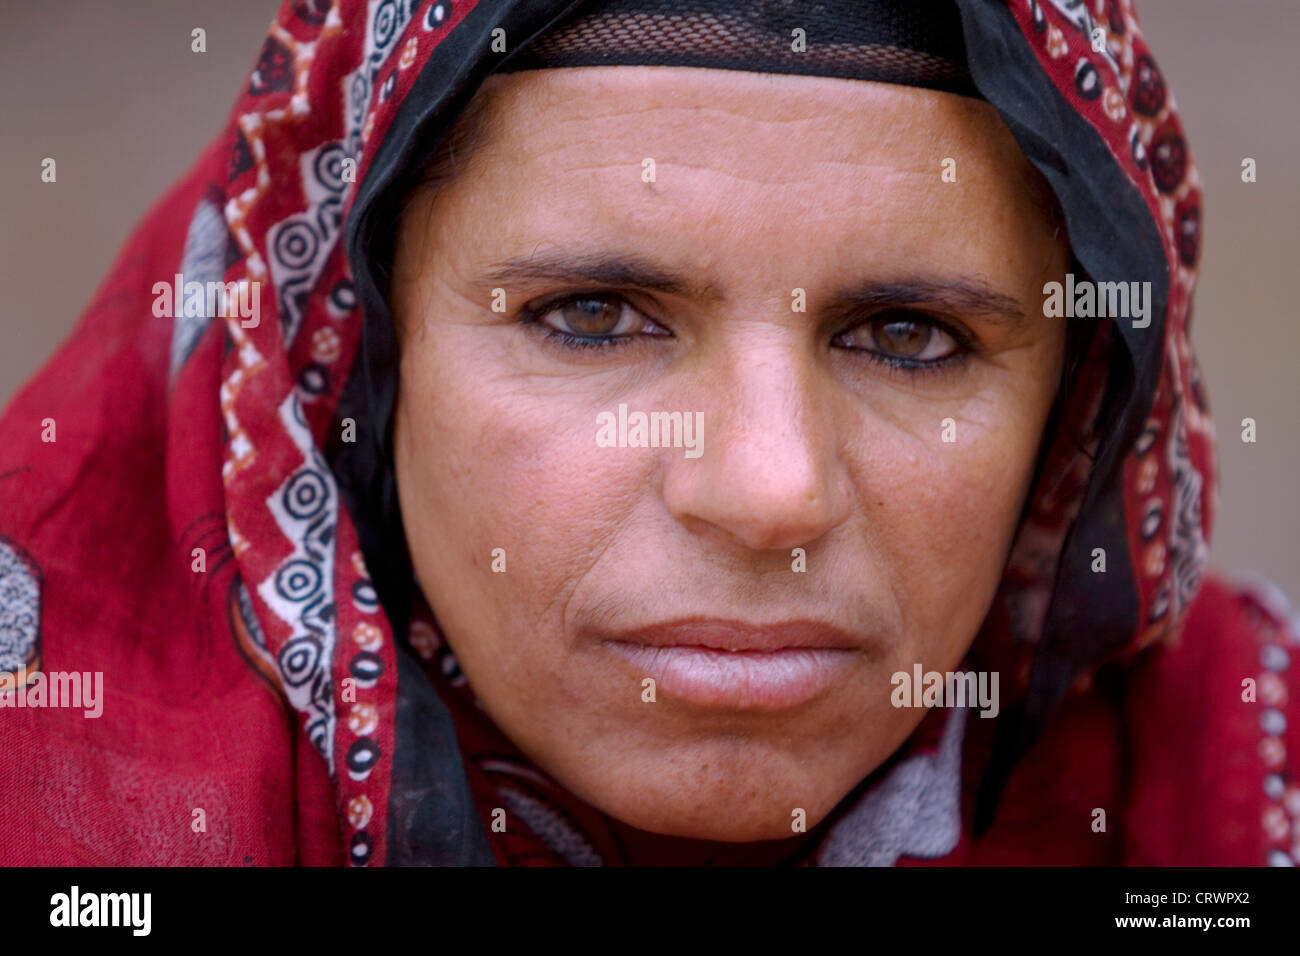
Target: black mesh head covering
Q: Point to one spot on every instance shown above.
(911, 43)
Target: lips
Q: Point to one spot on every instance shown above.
(739, 666)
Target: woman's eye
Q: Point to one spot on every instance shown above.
(593, 316)
(907, 337)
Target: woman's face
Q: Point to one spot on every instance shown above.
(780, 259)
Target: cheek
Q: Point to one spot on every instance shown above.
(485, 462)
(941, 515)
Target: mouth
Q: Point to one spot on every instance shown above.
(738, 666)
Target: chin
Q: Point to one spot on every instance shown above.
(746, 797)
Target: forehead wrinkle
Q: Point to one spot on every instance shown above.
(843, 106)
(727, 152)
(845, 137)
(851, 138)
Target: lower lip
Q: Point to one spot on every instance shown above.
(739, 680)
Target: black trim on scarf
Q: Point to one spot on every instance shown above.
(432, 816)
(1113, 236)
(445, 85)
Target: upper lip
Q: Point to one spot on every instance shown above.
(728, 635)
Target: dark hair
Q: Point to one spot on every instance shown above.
(448, 161)
(468, 132)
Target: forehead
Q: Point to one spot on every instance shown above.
(710, 156)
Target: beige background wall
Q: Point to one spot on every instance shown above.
(114, 94)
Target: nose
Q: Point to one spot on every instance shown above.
(770, 476)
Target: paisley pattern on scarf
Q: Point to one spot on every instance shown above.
(301, 128)
(1098, 59)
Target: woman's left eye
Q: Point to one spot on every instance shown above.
(591, 320)
(904, 338)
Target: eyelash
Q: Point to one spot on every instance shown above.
(966, 345)
(531, 316)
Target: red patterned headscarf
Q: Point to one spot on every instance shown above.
(197, 530)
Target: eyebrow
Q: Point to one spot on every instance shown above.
(962, 295)
(599, 269)
(958, 294)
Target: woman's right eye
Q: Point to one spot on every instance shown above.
(591, 319)
(592, 316)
